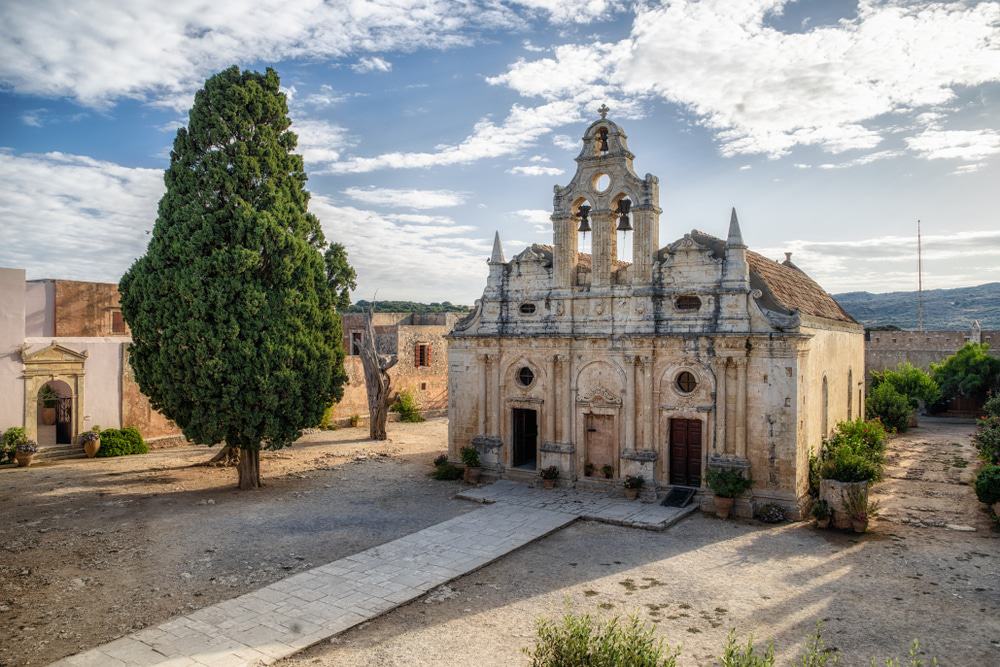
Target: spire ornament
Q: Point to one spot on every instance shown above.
(603, 111)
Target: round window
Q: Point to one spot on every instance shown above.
(686, 382)
(527, 308)
(525, 376)
(601, 183)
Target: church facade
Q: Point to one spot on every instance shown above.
(691, 356)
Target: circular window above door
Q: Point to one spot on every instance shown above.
(525, 376)
(686, 382)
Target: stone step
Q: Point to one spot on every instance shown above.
(59, 452)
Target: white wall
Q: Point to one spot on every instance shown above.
(40, 308)
(12, 299)
(102, 382)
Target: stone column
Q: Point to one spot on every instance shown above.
(741, 407)
(483, 402)
(568, 400)
(564, 255)
(550, 411)
(630, 403)
(646, 419)
(721, 368)
(605, 243)
(497, 384)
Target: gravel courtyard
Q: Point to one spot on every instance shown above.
(94, 549)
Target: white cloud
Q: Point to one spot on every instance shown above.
(419, 219)
(72, 216)
(540, 220)
(162, 51)
(859, 161)
(520, 129)
(968, 168)
(34, 117)
(765, 91)
(319, 141)
(535, 170)
(573, 11)
(970, 145)
(372, 64)
(746, 167)
(402, 198)
(566, 142)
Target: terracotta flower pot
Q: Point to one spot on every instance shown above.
(859, 525)
(48, 416)
(723, 506)
(24, 459)
(471, 475)
(631, 494)
(823, 523)
(91, 447)
(549, 483)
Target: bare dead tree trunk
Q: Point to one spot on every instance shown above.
(376, 379)
(249, 469)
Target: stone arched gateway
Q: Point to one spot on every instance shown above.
(685, 419)
(525, 383)
(53, 364)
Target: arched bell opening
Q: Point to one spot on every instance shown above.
(582, 210)
(621, 207)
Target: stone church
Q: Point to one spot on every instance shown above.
(695, 355)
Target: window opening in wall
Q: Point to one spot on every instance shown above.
(117, 323)
(688, 303)
(527, 308)
(423, 386)
(525, 376)
(355, 343)
(686, 382)
(422, 355)
(601, 183)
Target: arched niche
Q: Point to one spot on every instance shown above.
(600, 427)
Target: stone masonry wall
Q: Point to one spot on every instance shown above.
(85, 309)
(888, 349)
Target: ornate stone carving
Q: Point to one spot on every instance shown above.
(599, 395)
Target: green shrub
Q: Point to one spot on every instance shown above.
(913, 383)
(848, 463)
(122, 442)
(446, 471)
(992, 405)
(406, 406)
(815, 462)
(969, 372)
(581, 641)
(12, 437)
(987, 439)
(727, 482)
(988, 484)
(327, 423)
(888, 406)
(816, 654)
(737, 655)
(440, 460)
(870, 433)
(470, 457)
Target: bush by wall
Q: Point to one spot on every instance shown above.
(854, 453)
(992, 405)
(988, 484)
(122, 442)
(12, 437)
(912, 382)
(970, 372)
(406, 406)
(987, 439)
(888, 406)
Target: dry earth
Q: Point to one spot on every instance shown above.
(911, 577)
(91, 550)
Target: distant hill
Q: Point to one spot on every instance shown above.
(944, 309)
(361, 306)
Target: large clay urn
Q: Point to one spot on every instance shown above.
(48, 416)
(91, 447)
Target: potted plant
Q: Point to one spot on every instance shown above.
(470, 457)
(608, 471)
(859, 508)
(48, 398)
(25, 452)
(632, 485)
(588, 469)
(549, 476)
(12, 437)
(91, 441)
(726, 484)
(821, 512)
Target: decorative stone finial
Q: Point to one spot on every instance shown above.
(603, 111)
(497, 256)
(735, 239)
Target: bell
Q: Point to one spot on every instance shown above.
(584, 214)
(603, 134)
(624, 206)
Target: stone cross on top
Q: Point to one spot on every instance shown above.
(603, 111)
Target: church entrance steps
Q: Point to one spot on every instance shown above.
(60, 452)
(276, 621)
(583, 504)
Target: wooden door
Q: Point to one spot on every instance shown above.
(601, 442)
(685, 452)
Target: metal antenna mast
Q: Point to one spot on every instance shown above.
(920, 281)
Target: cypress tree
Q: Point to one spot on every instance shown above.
(234, 328)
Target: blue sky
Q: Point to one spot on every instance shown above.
(428, 124)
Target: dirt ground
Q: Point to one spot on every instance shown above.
(93, 549)
(912, 577)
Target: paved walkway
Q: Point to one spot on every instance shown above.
(591, 505)
(276, 621)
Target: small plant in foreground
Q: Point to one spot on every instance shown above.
(737, 655)
(447, 472)
(440, 460)
(820, 510)
(817, 654)
(608, 471)
(122, 442)
(634, 482)
(551, 472)
(89, 436)
(406, 406)
(354, 421)
(27, 447)
(470, 457)
(727, 482)
(770, 513)
(988, 484)
(580, 640)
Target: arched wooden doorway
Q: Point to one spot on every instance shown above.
(55, 414)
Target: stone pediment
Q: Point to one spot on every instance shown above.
(687, 244)
(600, 396)
(53, 353)
(531, 254)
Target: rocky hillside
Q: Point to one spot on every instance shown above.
(944, 309)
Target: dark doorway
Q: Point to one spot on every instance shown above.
(64, 422)
(525, 439)
(685, 452)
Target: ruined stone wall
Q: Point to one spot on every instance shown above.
(85, 309)
(887, 349)
(135, 408)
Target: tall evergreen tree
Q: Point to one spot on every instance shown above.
(235, 334)
(340, 275)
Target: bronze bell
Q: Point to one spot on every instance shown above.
(584, 215)
(624, 206)
(603, 136)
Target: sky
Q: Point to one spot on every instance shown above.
(426, 125)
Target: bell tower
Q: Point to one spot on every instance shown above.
(605, 196)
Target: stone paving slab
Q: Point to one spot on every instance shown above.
(276, 621)
(589, 505)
